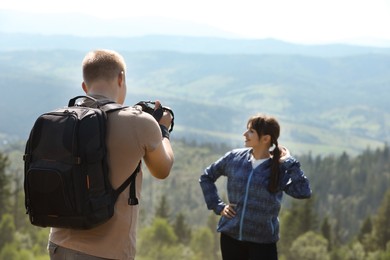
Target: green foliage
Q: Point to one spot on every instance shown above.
(366, 236)
(365, 229)
(162, 210)
(212, 224)
(202, 244)
(326, 232)
(160, 242)
(354, 251)
(8, 251)
(309, 246)
(182, 229)
(348, 186)
(181, 190)
(349, 194)
(39, 236)
(166, 253)
(4, 183)
(384, 255)
(159, 234)
(382, 222)
(298, 220)
(7, 229)
(322, 102)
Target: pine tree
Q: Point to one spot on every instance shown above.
(162, 210)
(182, 229)
(158, 241)
(367, 237)
(296, 221)
(326, 231)
(382, 222)
(212, 224)
(309, 218)
(202, 244)
(7, 229)
(4, 184)
(366, 229)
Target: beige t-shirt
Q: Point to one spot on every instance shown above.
(130, 134)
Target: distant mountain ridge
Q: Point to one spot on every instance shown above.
(186, 44)
(326, 104)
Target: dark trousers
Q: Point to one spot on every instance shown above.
(233, 249)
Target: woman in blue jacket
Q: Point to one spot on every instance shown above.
(257, 176)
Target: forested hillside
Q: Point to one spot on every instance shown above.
(347, 217)
(325, 105)
(332, 103)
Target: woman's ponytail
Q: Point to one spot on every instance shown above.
(274, 178)
(266, 125)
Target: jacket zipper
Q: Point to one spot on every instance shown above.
(245, 202)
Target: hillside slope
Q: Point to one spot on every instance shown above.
(324, 105)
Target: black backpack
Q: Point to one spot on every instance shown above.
(66, 179)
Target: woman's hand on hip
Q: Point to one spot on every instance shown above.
(228, 211)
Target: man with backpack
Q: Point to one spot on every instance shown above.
(132, 135)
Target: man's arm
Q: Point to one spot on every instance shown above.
(160, 160)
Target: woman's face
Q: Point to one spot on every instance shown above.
(251, 137)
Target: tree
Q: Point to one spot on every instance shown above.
(307, 216)
(212, 224)
(15, 172)
(182, 229)
(309, 246)
(202, 244)
(365, 229)
(4, 184)
(367, 237)
(156, 237)
(162, 210)
(355, 252)
(8, 251)
(7, 229)
(382, 222)
(326, 231)
(297, 220)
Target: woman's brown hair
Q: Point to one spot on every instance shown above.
(267, 125)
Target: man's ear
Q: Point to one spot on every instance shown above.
(121, 78)
(84, 86)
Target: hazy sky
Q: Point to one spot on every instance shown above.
(304, 21)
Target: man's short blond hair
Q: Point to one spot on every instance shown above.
(102, 65)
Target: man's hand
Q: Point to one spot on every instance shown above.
(166, 118)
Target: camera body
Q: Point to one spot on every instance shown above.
(150, 108)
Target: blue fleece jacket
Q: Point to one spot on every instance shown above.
(257, 209)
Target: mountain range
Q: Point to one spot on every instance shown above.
(328, 98)
(184, 44)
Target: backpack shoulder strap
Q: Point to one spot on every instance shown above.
(72, 101)
(129, 181)
(105, 105)
(111, 107)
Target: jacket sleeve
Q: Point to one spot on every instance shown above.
(293, 181)
(207, 183)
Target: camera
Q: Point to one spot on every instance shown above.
(150, 108)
